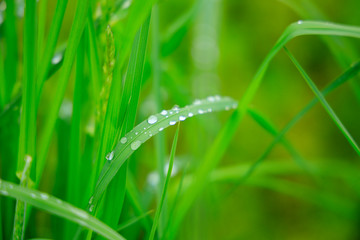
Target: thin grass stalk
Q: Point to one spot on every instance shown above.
(27, 138)
(74, 164)
(11, 57)
(160, 138)
(221, 143)
(165, 187)
(49, 50)
(73, 43)
(324, 103)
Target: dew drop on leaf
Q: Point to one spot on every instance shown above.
(152, 119)
(135, 145)
(110, 155)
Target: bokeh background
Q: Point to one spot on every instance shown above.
(222, 45)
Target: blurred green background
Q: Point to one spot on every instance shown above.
(222, 45)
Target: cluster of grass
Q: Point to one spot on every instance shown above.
(75, 114)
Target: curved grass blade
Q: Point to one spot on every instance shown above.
(148, 128)
(342, 49)
(223, 140)
(167, 180)
(325, 104)
(58, 207)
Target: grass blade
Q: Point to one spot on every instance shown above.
(73, 42)
(223, 140)
(339, 81)
(133, 221)
(148, 128)
(11, 61)
(167, 180)
(27, 138)
(48, 53)
(58, 207)
(325, 104)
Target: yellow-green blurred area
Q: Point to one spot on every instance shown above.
(218, 48)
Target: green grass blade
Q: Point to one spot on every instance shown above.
(73, 42)
(74, 194)
(93, 57)
(11, 58)
(117, 188)
(175, 34)
(4, 98)
(42, 10)
(167, 180)
(58, 207)
(48, 53)
(133, 221)
(148, 128)
(159, 139)
(268, 126)
(342, 49)
(223, 140)
(325, 104)
(27, 138)
(350, 73)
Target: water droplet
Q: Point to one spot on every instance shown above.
(182, 118)
(211, 99)
(227, 108)
(217, 98)
(150, 134)
(197, 102)
(135, 145)
(57, 58)
(190, 114)
(91, 200)
(44, 196)
(175, 108)
(4, 192)
(160, 129)
(234, 105)
(152, 119)
(110, 155)
(200, 111)
(300, 22)
(123, 140)
(164, 112)
(91, 208)
(136, 133)
(33, 195)
(172, 122)
(209, 110)
(11, 186)
(58, 200)
(81, 214)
